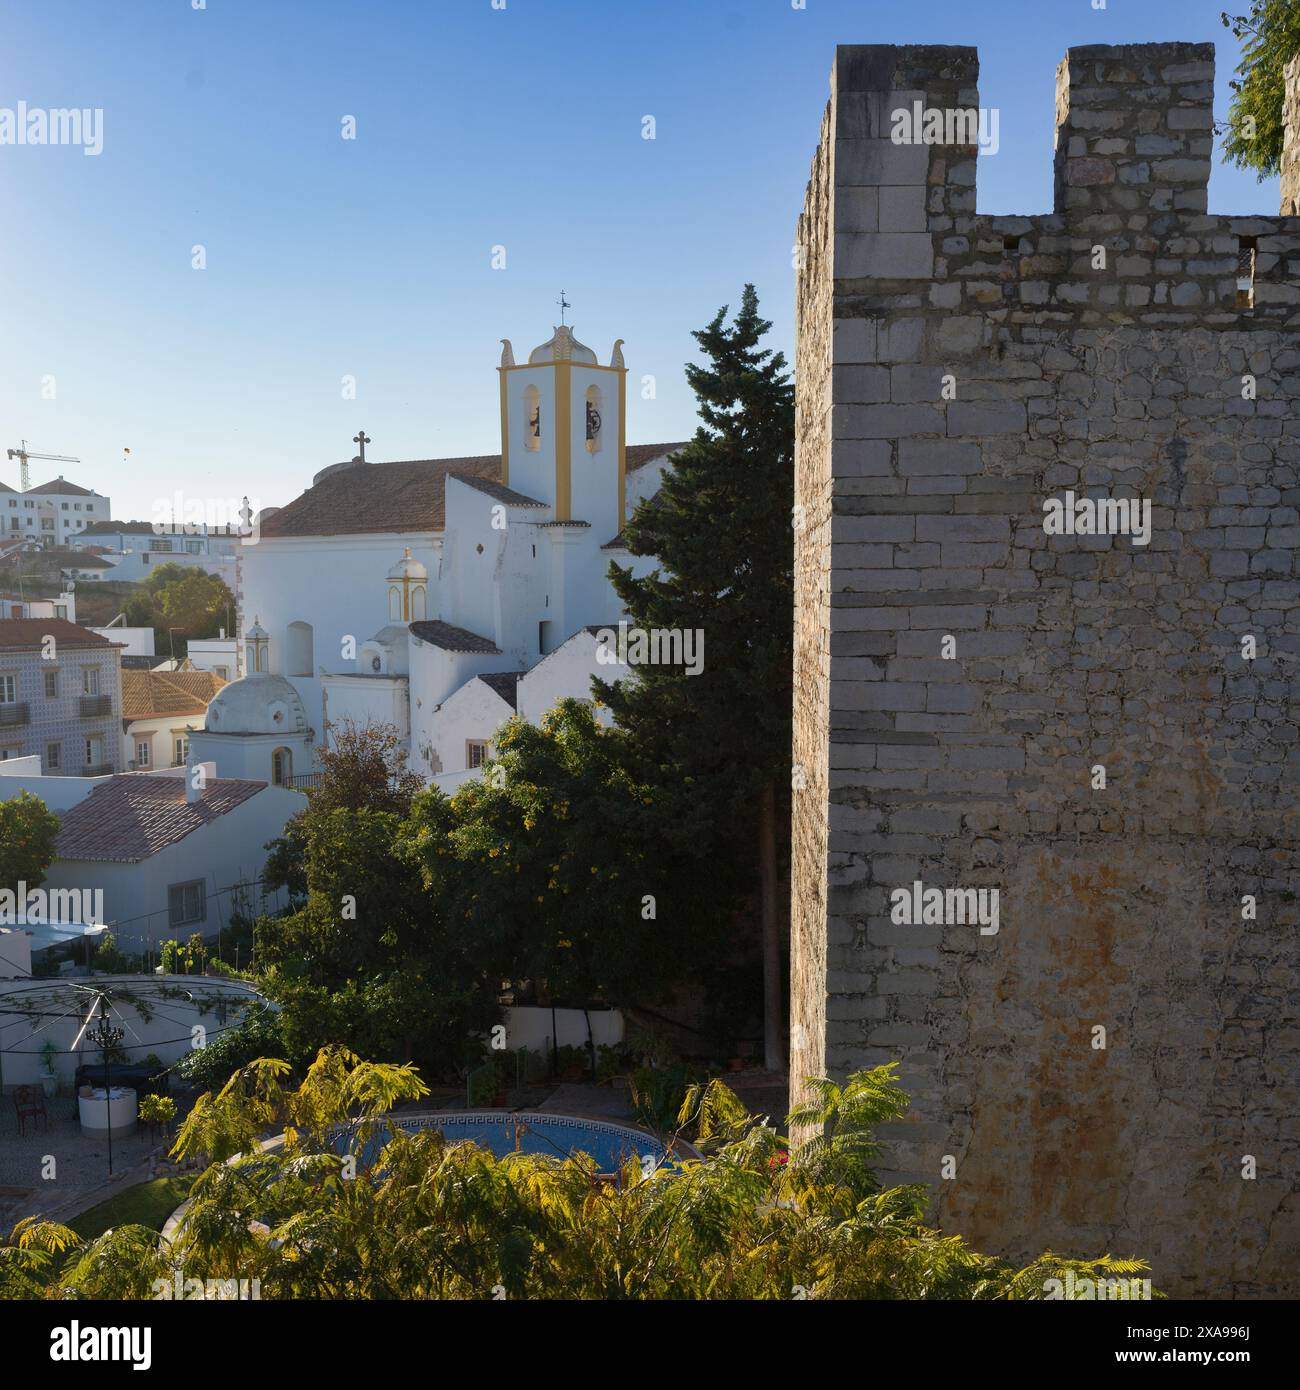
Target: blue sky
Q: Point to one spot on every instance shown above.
(476, 127)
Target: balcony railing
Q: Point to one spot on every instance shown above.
(13, 714)
(303, 782)
(92, 705)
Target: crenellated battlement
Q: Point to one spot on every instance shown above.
(1134, 129)
(1129, 239)
(1096, 722)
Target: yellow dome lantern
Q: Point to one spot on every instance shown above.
(408, 590)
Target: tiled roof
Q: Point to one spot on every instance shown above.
(364, 498)
(117, 528)
(60, 487)
(83, 559)
(28, 634)
(453, 639)
(499, 491)
(504, 683)
(618, 543)
(152, 694)
(134, 815)
(4, 487)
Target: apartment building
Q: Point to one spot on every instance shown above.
(60, 696)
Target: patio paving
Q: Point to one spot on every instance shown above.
(80, 1165)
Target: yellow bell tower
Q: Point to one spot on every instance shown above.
(563, 439)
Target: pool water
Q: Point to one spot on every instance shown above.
(559, 1136)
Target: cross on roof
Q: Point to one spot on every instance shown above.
(362, 439)
(564, 305)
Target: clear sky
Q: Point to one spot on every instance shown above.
(476, 127)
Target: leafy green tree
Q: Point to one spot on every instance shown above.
(27, 833)
(372, 958)
(181, 597)
(715, 746)
(1270, 37)
(758, 1218)
(232, 1048)
(365, 768)
(551, 866)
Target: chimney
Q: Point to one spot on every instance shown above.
(1134, 129)
(1291, 140)
(193, 793)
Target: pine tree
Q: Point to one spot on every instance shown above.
(715, 745)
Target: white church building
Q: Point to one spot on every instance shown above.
(441, 596)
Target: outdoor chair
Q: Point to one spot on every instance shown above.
(29, 1102)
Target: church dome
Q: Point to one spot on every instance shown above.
(260, 704)
(562, 346)
(408, 568)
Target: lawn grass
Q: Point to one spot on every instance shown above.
(143, 1204)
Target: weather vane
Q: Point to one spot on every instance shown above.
(564, 305)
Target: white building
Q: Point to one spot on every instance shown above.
(135, 549)
(220, 655)
(160, 710)
(52, 513)
(16, 606)
(417, 593)
(170, 859)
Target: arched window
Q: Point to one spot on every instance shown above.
(593, 419)
(281, 767)
(298, 650)
(532, 418)
(418, 603)
(394, 603)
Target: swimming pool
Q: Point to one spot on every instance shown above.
(505, 1133)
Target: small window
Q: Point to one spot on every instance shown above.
(186, 903)
(593, 419)
(65, 506)
(52, 685)
(476, 752)
(8, 690)
(60, 610)
(281, 767)
(90, 680)
(532, 418)
(53, 756)
(221, 672)
(1247, 250)
(180, 750)
(94, 752)
(142, 753)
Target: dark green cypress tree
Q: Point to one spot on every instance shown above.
(715, 746)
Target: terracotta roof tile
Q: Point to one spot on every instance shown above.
(453, 639)
(498, 490)
(359, 499)
(61, 487)
(504, 683)
(134, 815)
(153, 694)
(26, 634)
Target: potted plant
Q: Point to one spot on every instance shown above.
(49, 1077)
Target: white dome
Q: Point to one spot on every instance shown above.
(562, 346)
(408, 568)
(260, 704)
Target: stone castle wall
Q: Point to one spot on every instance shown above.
(955, 371)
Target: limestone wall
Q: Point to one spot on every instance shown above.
(1125, 346)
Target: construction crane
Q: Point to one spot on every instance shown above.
(23, 453)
